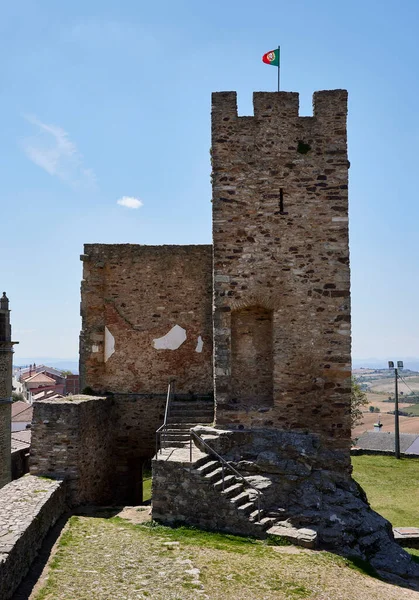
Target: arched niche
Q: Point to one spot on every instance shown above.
(252, 356)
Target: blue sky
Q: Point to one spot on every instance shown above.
(104, 100)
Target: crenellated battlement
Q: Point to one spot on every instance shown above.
(283, 105)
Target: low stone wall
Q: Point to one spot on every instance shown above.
(29, 507)
(72, 439)
(20, 462)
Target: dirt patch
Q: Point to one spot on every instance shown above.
(135, 514)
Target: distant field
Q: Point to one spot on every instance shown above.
(407, 424)
(387, 385)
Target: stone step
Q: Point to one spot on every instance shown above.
(228, 480)
(194, 418)
(203, 461)
(247, 508)
(305, 537)
(241, 498)
(207, 467)
(264, 523)
(254, 516)
(191, 409)
(183, 425)
(233, 490)
(214, 475)
(191, 404)
(168, 439)
(173, 444)
(189, 419)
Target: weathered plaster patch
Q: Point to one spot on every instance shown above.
(199, 344)
(109, 344)
(172, 340)
(95, 348)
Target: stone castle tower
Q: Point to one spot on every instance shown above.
(281, 264)
(6, 362)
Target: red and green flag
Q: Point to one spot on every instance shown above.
(271, 58)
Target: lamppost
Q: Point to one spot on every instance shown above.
(396, 405)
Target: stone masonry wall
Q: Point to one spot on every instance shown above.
(137, 419)
(280, 233)
(146, 318)
(5, 443)
(6, 359)
(97, 444)
(72, 439)
(29, 507)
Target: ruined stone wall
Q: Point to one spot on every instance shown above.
(280, 233)
(72, 439)
(98, 444)
(132, 297)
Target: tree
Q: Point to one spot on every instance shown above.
(358, 400)
(65, 373)
(18, 397)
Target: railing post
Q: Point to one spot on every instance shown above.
(190, 449)
(258, 507)
(222, 471)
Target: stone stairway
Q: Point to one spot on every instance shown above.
(192, 492)
(243, 499)
(183, 415)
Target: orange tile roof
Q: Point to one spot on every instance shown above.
(22, 412)
(40, 378)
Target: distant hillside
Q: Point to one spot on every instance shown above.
(64, 364)
(410, 362)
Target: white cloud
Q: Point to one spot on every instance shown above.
(52, 150)
(129, 202)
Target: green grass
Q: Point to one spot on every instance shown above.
(412, 410)
(146, 485)
(100, 558)
(391, 486)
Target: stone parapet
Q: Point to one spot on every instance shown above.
(29, 507)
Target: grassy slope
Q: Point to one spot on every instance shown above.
(392, 487)
(103, 559)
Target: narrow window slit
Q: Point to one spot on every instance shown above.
(281, 202)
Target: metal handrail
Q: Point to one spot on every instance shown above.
(224, 464)
(161, 431)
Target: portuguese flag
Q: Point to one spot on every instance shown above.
(271, 58)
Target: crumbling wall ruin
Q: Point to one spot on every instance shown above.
(146, 318)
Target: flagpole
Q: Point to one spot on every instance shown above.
(279, 58)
